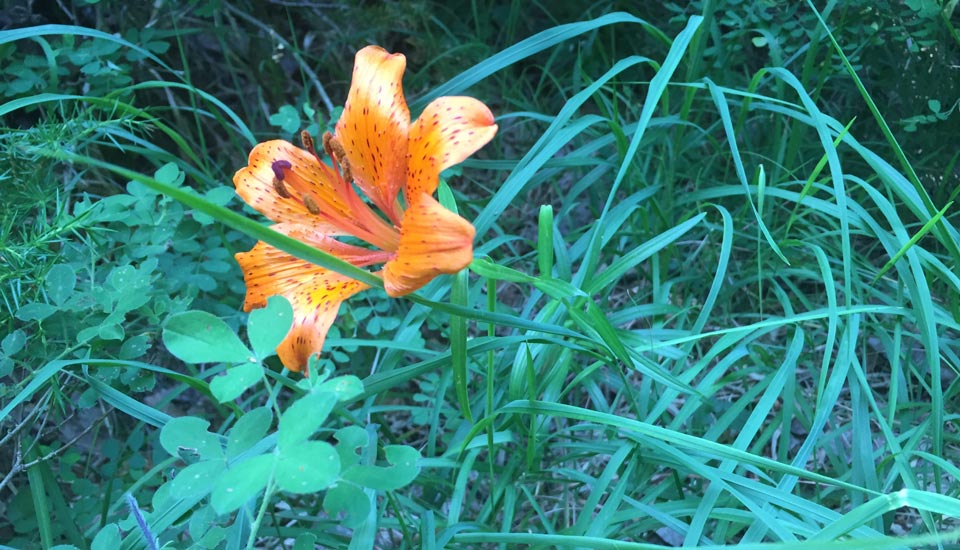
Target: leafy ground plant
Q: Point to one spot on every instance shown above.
(712, 298)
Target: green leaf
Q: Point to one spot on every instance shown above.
(403, 470)
(217, 195)
(6, 367)
(248, 430)
(303, 417)
(242, 483)
(235, 381)
(220, 195)
(931, 223)
(170, 174)
(344, 387)
(35, 311)
(349, 500)
(110, 331)
(13, 343)
(545, 241)
(123, 277)
(213, 537)
(201, 520)
(267, 326)
(526, 48)
(287, 118)
(197, 480)
(199, 337)
(189, 433)
(87, 334)
(349, 440)
(458, 344)
(307, 467)
(60, 283)
(554, 288)
(305, 541)
(135, 347)
(491, 270)
(107, 539)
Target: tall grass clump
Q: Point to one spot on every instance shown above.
(714, 298)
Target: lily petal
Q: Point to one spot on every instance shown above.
(448, 131)
(291, 185)
(302, 176)
(433, 240)
(314, 292)
(373, 127)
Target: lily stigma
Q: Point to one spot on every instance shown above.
(377, 150)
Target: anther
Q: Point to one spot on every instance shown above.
(326, 139)
(307, 140)
(338, 150)
(345, 170)
(281, 189)
(311, 205)
(334, 148)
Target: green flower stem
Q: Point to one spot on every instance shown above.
(236, 221)
(261, 513)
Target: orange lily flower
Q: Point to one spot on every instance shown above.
(377, 149)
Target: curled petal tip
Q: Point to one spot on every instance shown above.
(433, 241)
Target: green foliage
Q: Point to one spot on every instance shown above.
(220, 474)
(290, 123)
(714, 301)
(199, 337)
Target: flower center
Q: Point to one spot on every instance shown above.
(334, 199)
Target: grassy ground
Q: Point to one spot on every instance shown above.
(715, 298)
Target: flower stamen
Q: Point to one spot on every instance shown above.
(281, 189)
(338, 154)
(307, 141)
(278, 167)
(311, 205)
(345, 172)
(338, 150)
(326, 139)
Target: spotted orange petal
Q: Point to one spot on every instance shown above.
(433, 240)
(291, 185)
(314, 292)
(448, 131)
(373, 127)
(302, 176)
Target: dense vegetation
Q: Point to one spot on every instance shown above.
(715, 298)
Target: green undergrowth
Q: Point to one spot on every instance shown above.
(714, 299)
